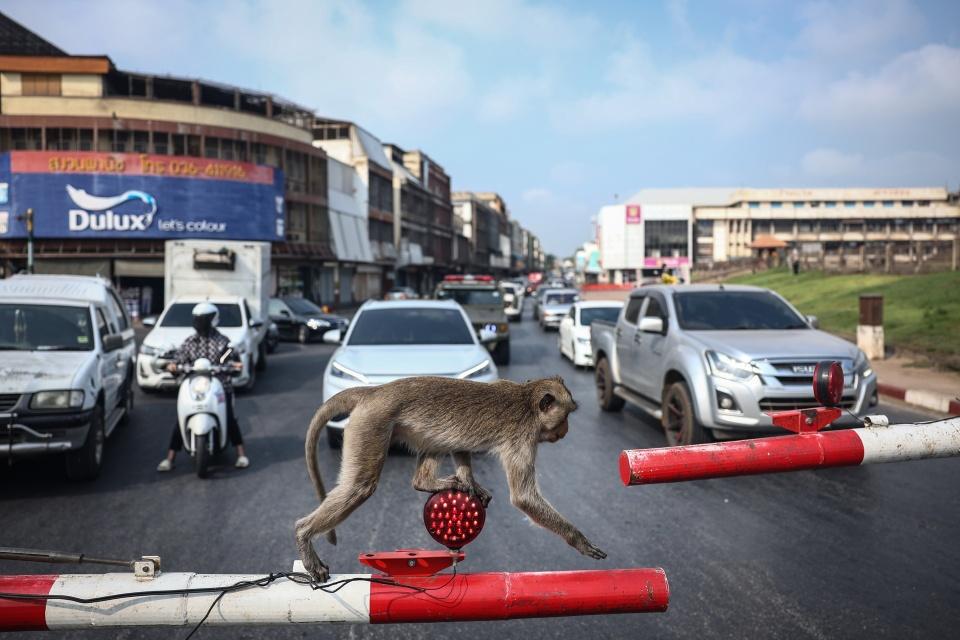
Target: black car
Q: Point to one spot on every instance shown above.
(301, 320)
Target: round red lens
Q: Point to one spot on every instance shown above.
(828, 383)
(453, 518)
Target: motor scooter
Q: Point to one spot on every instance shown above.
(202, 409)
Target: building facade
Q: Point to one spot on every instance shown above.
(883, 228)
(79, 122)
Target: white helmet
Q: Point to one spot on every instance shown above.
(205, 317)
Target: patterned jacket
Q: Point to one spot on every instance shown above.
(212, 348)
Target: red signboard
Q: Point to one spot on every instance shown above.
(633, 214)
(138, 164)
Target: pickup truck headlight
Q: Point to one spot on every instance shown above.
(337, 370)
(861, 364)
(147, 350)
(476, 371)
(70, 399)
(723, 366)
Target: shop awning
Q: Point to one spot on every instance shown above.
(767, 242)
(350, 240)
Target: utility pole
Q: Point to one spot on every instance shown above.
(28, 219)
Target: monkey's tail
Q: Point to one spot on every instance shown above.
(342, 403)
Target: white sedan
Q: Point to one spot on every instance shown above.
(574, 339)
(388, 340)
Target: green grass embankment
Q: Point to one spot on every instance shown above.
(921, 313)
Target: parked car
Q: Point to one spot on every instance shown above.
(574, 332)
(175, 325)
(512, 300)
(537, 299)
(482, 299)
(301, 320)
(66, 373)
(554, 305)
(398, 339)
(712, 360)
(401, 293)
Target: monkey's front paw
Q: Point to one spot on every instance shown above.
(482, 495)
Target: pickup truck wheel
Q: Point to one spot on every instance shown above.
(501, 353)
(85, 462)
(604, 379)
(303, 334)
(262, 356)
(679, 420)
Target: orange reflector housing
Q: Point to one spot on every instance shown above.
(828, 383)
(453, 518)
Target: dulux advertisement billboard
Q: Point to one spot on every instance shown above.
(77, 194)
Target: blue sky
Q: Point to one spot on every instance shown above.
(562, 106)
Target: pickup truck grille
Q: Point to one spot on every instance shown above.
(801, 373)
(8, 401)
(790, 404)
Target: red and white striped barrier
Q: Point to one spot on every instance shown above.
(851, 447)
(436, 598)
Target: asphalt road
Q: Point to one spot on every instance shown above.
(865, 552)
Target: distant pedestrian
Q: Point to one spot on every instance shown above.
(795, 261)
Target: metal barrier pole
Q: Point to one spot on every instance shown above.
(434, 598)
(851, 447)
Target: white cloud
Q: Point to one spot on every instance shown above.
(915, 84)
(512, 97)
(859, 29)
(903, 168)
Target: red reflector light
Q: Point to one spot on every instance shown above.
(828, 383)
(453, 518)
(452, 278)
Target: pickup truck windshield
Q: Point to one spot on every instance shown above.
(734, 311)
(560, 298)
(471, 296)
(181, 315)
(410, 326)
(40, 327)
(589, 314)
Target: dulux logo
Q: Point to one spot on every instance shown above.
(95, 213)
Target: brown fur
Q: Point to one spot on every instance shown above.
(437, 417)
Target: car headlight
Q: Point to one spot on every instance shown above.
(147, 350)
(337, 370)
(723, 366)
(861, 364)
(68, 399)
(317, 323)
(199, 387)
(476, 371)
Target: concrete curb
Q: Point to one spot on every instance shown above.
(921, 398)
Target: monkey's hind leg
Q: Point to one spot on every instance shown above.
(360, 469)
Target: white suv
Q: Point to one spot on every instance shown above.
(175, 325)
(66, 372)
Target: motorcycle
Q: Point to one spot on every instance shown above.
(202, 409)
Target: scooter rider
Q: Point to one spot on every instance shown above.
(207, 343)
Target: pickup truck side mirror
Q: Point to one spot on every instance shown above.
(487, 335)
(284, 313)
(333, 336)
(814, 321)
(149, 321)
(256, 323)
(112, 342)
(651, 325)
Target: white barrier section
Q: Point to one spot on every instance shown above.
(904, 442)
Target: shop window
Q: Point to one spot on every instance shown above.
(211, 147)
(120, 142)
(906, 203)
(923, 203)
(141, 141)
(319, 224)
(173, 89)
(161, 143)
(783, 226)
(888, 203)
(258, 152)
(40, 84)
(850, 204)
(85, 139)
(830, 204)
(22, 139)
(753, 205)
(61, 139)
(776, 205)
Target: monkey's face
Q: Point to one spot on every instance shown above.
(554, 404)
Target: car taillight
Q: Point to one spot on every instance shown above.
(453, 518)
(828, 383)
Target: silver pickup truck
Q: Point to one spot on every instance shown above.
(712, 360)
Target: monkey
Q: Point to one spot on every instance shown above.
(436, 417)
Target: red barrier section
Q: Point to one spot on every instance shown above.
(738, 458)
(24, 615)
(504, 596)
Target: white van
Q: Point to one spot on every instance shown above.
(66, 368)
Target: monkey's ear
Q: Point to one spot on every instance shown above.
(546, 401)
